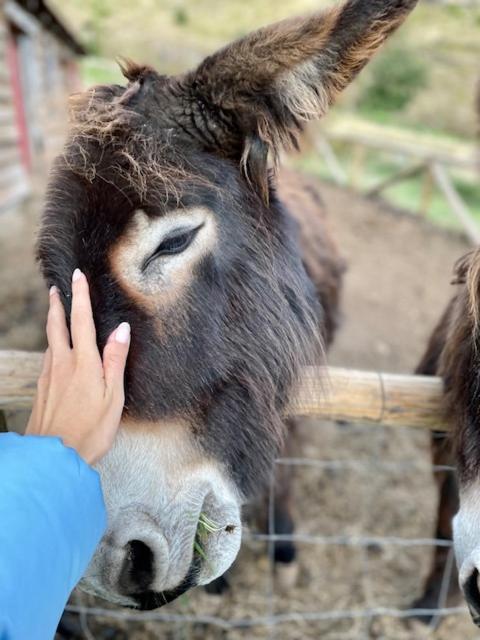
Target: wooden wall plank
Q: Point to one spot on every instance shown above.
(9, 134)
(7, 115)
(46, 106)
(9, 155)
(14, 194)
(5, 94)
(11, 175)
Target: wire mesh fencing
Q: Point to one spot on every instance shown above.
(373, 561)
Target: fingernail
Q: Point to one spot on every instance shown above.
(77, 274)
(122, 334)
(53, 290)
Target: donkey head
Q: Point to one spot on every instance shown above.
(163, 198)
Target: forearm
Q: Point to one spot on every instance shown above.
(52, 517)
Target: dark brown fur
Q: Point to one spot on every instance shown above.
(442, 455)
(320, 254)
(230, 350)
(325, 267)
(453, 352)
(166, 142)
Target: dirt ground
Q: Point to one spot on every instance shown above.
(396, 287)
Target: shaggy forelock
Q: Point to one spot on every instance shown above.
(107, 133)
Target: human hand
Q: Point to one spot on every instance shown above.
(80, 395)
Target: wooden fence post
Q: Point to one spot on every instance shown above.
(426, 192)
(363, 397)
(456, 203)
(325, 149)
(403, 174)
(357, 168)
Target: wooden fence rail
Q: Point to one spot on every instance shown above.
(431, 164)
(339, 394)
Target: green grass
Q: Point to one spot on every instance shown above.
(205, 528)
(97, 70)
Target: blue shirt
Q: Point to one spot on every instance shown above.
(52, 517)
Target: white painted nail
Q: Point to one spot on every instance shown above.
(122, 334)
(53, 289)
(76, 275)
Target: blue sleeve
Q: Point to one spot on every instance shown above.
(52, 516)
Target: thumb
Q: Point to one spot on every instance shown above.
(115, 357)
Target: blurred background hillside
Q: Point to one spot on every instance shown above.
(421, 89)
(425, 79)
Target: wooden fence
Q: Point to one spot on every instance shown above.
(338, 394)
(432, 165)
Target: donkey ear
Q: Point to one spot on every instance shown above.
(254, 94)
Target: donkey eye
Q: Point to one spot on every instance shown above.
(173, 244)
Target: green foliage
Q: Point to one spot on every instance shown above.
(205, 528)
(396, 77)
(180, 16)
(454, 11)
(99, 71)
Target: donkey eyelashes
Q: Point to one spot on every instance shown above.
(174, 243)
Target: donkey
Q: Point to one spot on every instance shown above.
(166, 198)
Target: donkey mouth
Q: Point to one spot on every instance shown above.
(472, 596)
(154, 600)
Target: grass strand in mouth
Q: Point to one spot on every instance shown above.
(205, 527)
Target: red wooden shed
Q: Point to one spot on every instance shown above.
(38, 71)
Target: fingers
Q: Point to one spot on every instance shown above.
(46, 365)
(115, 357)
(33, 420)
(57, 332)
(78, 386)
(82, 325)
(42, 387)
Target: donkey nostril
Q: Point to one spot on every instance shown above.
(137, 573)
(141, 557)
